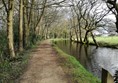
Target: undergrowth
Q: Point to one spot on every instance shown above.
(11, 69)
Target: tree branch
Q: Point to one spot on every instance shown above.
(5, 6)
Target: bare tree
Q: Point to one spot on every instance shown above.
(113, 7)
(89, 15)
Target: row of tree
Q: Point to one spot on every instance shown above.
(27, 20)
(88, 15)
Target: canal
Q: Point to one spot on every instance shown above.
(92, 58)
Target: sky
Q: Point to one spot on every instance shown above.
(111, 16)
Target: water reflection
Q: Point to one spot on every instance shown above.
(91, 58)
(107, 59)
(83, 54)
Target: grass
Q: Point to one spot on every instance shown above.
(110, 41)
(75, 69)
(58, 39)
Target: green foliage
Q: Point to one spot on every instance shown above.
(3, 45)
(11, 69)
(78, 72)
(33, 39)
(4, 68)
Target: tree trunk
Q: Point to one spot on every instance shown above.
(80, 32)
(26, 26)
(94, 39)
(21, 26)
(30, 21)
(10, 28)
(86, 37)
(76, 33)
(116, 23)
(70, 35)
(40, 18)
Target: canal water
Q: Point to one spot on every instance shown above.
(91, 58)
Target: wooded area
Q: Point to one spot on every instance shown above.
(34, 19)
(27, 22)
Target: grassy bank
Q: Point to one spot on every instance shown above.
(58, 39)
(78, 73)
(11, 69)
(110, 41)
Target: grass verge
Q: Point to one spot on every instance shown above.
(78, 73)
(110, 41)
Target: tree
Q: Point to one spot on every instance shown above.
(26, 25)
(113, 7)
(40, 18)
(21, 25)
(10, 11)
(89, 15)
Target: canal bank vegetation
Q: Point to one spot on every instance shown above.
(74, 69)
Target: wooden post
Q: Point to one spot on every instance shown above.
(104, 76)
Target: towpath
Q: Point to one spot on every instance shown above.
(44, 66)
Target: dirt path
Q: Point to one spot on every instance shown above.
(44, 66)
